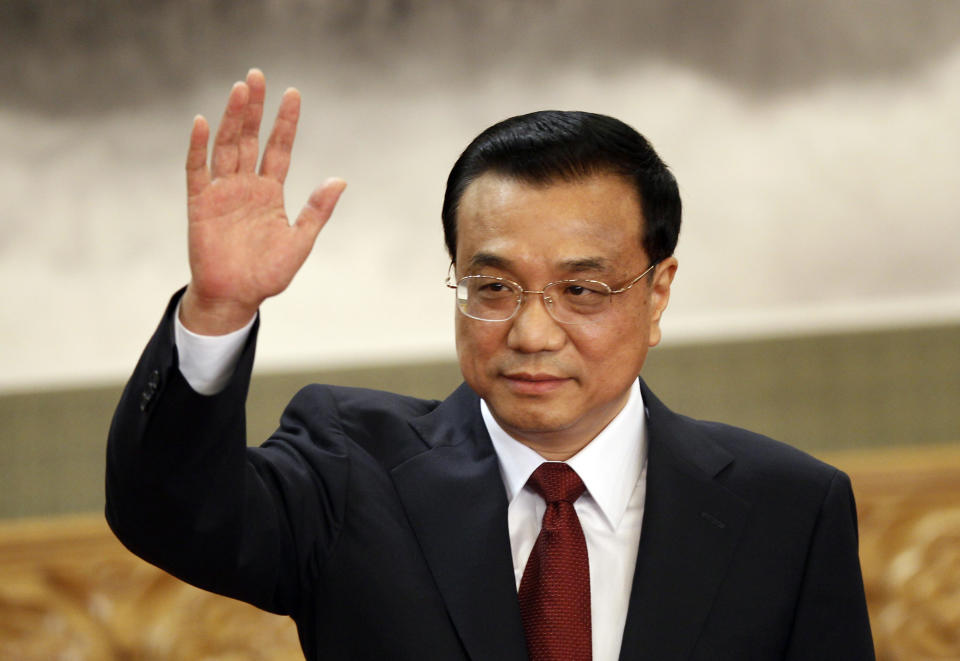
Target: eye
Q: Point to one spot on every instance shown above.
(490, 289)
(581, 296)
(582, 290)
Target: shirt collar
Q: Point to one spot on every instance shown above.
(609, 465)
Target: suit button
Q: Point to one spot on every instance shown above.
(150, 390)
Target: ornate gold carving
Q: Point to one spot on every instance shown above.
(908, 503)
(81, 596)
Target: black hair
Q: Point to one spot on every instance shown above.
(556, 145)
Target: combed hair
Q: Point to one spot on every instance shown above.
(557, 145)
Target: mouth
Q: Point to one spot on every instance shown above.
(525, 383)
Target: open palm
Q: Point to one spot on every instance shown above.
(242, 247)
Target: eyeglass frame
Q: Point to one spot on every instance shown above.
(549, 308)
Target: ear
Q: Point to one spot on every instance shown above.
(662, 280)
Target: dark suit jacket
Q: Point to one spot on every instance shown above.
(378, 522)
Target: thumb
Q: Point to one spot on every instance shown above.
(319, 207)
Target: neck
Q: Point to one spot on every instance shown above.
(561, 444)
(552, 452)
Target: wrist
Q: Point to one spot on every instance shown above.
(207, 316)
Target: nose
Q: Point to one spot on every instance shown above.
(533, 329)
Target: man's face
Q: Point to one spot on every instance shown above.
(555, 386)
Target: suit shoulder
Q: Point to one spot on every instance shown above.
(374, 419)
(365, 405)
(761, 460)
(732, 453)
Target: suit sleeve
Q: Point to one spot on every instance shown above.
(185, 493)
(831, 621)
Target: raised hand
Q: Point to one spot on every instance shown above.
(242, 247)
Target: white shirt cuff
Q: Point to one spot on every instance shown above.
(207, 361)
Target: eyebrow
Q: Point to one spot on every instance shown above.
(575, 265)
(488, 259)
(587, 264)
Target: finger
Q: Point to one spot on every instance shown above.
(319, 208)
(249, 147)
(198, 176)
(226, 143)
(276, 155)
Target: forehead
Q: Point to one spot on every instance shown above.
(591, 220)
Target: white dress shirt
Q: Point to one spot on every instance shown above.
(612, 467)
(207, 361)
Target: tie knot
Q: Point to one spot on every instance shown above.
(556, 481)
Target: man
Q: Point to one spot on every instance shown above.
(551, 507)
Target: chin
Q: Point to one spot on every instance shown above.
(531, 422)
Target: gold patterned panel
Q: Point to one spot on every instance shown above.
(908, 502)
(70, 592)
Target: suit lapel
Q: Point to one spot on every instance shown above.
(691, 525)
(456, 503)
(455, 500)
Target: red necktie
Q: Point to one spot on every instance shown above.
(555, 589)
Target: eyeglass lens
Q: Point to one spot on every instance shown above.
(492, 299)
